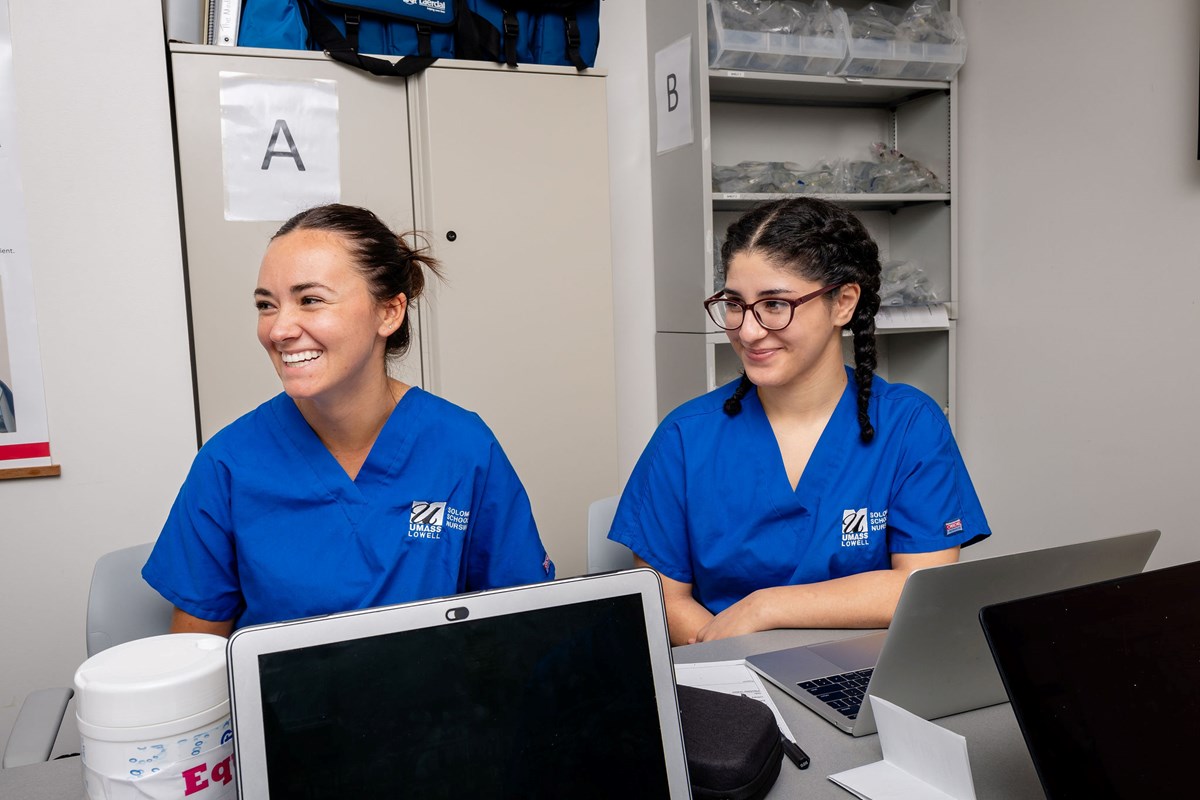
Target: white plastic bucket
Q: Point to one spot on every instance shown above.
(153, 719)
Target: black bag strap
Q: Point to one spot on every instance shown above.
(512, 28)
(339, 48)
(424, 40)
(353, 21)
(571, 25)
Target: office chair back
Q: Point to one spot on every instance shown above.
(605, 555)
(121, 606)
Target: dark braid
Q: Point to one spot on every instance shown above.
(733, 406)
(825, 243)
(862, 324)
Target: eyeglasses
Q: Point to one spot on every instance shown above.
(772, 313)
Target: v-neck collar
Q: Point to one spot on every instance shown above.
(825, 462)
(390, 444)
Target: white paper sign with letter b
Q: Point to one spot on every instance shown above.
(673, 95)
(279, 145)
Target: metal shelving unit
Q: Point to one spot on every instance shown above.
(757, 116)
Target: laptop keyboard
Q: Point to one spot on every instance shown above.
(844, 692)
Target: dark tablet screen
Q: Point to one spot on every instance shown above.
(1105, 683)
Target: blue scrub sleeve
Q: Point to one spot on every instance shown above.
(194, 562)
(651, 518)
(934, 505)
(505, 548)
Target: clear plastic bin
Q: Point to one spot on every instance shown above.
(930, 62)
(872, 58)
(771, 52)
(876, 58)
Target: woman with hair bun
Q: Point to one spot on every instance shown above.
(803, 494)
(349, 489)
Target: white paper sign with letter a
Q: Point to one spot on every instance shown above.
(279, 145)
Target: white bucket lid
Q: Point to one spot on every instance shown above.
(148, 682)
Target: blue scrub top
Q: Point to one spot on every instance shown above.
(709, 502)
(268, 526)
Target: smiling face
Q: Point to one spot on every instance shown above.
(326, 335)
(810, 347)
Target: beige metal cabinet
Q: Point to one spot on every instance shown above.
(505, 174)
(511, 174)
(233, 374)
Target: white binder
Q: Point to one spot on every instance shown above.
(228, 15)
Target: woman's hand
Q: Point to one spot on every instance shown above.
(864, 600)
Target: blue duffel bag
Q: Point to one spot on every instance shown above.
(563, 32)
(421, 30)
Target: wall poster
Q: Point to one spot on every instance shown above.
(24, 437)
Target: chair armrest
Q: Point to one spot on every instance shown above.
(36, 728)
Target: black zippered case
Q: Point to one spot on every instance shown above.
(734, 748)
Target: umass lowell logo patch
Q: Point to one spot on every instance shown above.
(428, 519)
(858, 524)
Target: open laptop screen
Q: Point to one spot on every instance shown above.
(540, 703)
(1102, 679)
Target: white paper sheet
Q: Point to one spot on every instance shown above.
(730, 677)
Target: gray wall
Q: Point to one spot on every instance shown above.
(623, 57)
(1079, 274)
(99, 180)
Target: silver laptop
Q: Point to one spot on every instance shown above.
(933, 660)
(562, 689)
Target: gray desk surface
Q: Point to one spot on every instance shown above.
(1000, 763)
(54, 780)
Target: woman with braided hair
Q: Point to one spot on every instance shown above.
(803, 494)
